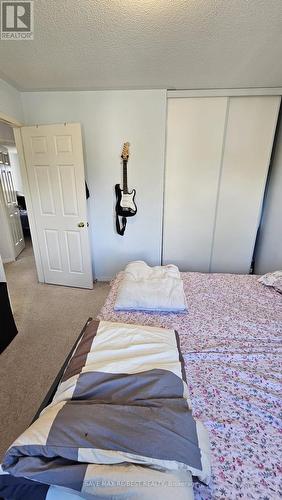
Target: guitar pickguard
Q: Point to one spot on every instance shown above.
(127, 200)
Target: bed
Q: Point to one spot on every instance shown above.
(230, 339)
(118, 423)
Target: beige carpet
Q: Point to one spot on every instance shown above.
(49, 319)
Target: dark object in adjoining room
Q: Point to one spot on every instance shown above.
(23, 214)
(8, 329)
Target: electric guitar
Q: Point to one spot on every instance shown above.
(125, 206)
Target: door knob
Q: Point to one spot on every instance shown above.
(80, 224)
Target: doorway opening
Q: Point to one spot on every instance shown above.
(54, 202)
(15, 241)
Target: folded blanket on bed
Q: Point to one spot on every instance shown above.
(145, 288)
(122, 400)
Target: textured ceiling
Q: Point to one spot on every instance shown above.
(116, 44)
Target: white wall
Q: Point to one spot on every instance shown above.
(2, 271)
(108, 119)
(15, 166)
(269, 247)
(10, 101)
(6, 134)
(6, 245)
(16, 172)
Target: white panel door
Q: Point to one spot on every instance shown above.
(11, 204)
(249, 138)
(55, 171)
(195, 131)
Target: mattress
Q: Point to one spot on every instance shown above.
(230, 339)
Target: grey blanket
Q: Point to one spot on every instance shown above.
(122, 400)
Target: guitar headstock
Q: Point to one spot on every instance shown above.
(125, 151)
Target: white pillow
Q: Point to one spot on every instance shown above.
(272, 279)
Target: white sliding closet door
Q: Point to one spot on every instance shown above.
(195, 134)
(248, 144)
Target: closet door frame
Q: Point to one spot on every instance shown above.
(225, 92)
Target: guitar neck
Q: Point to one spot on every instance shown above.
(124, 173)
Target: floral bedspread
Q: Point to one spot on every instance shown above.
(231, 342)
